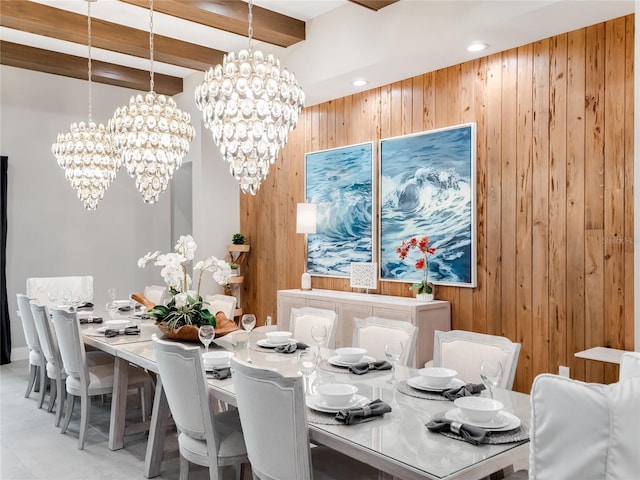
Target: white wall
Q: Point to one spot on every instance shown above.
(49, 231)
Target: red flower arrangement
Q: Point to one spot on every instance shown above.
(421, 264)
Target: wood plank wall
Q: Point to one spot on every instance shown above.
(554, 193)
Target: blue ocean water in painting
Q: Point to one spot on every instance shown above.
(426, 190)
(340, 182)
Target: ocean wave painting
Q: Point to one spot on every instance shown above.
(340, 182)
(428, 189)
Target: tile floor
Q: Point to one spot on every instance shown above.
(32, 448)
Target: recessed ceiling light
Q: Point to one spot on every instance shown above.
(359, 83)
(477, 47)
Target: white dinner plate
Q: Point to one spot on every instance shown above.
(504, 420)
(335, 360)
(315, 403)
(419, 384)
(264, 342)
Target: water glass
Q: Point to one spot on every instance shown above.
(393, 351)
(206, 333)
(491, 374)
(319, 335)
(307, 363)
(248, 321)
(112, 309)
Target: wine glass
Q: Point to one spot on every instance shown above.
(307, 362)
(74, 301)
(65, 296)
(319, 335)
(248, 322)
(112, 309)
(206, 333)
(113, 293)
(393, 350)
(491, 373)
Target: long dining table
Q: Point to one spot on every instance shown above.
(398, 444)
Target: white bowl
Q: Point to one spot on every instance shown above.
(350, 354)
(478, 409)
(336, 394)
(278, 337)
(437, 376)
(216, 359)
(116, 324)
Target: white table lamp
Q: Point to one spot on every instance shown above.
(306, 221)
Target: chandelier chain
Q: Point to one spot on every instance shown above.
(151, 83)
(250, 25)
(89, 57)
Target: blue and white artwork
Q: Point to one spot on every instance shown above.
(340, 182)
(428, 189)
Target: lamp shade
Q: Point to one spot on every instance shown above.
(306, 218)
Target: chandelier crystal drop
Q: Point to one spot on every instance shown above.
(152, 135)
(86, 152)
(250, 104)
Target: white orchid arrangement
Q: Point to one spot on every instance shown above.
(184, 309)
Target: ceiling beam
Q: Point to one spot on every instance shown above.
(52, 22)
(47, 61)
(374, 4)
(232, 16)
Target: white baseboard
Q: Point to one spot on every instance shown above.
(20, 353)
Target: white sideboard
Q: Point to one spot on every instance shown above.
(427, 316)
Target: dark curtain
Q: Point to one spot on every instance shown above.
(5, 322)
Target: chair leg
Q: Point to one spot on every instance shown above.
(53, 393)
(33, 373)
(237, 469)
(37, 386)
(184, 468)
(43, 387)
(85, 409)
(71, 400)
(61, 399)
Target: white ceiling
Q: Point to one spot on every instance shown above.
(345, 41)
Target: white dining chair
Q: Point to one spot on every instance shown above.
(37, 362)
(373, 333)
(155, 293)
(629, 365)
(463, 352)
(583, 431)
(38, 288)
(221, 303)
(214, 441)
(54, 368)
(304, 319)
(84, 380)
(274, 420)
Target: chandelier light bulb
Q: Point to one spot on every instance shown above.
(250, 104)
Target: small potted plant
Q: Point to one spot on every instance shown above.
(423, 289)
(235, 269)
(238, 239)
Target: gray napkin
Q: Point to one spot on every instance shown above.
(464, 391)
(469, 433)
(127, 331)
(291, 347)
(220, 373)
(85, 306)
(125, 308)
(364, 367)
(90, 320)
(352, 416)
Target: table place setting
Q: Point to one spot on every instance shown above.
(339, 404)
(280, 341)
(353, 360)
(217, 364)
(479, 420)
(437, 383)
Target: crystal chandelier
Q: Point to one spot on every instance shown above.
(152, 134)
(250, 104)
(86, 152)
